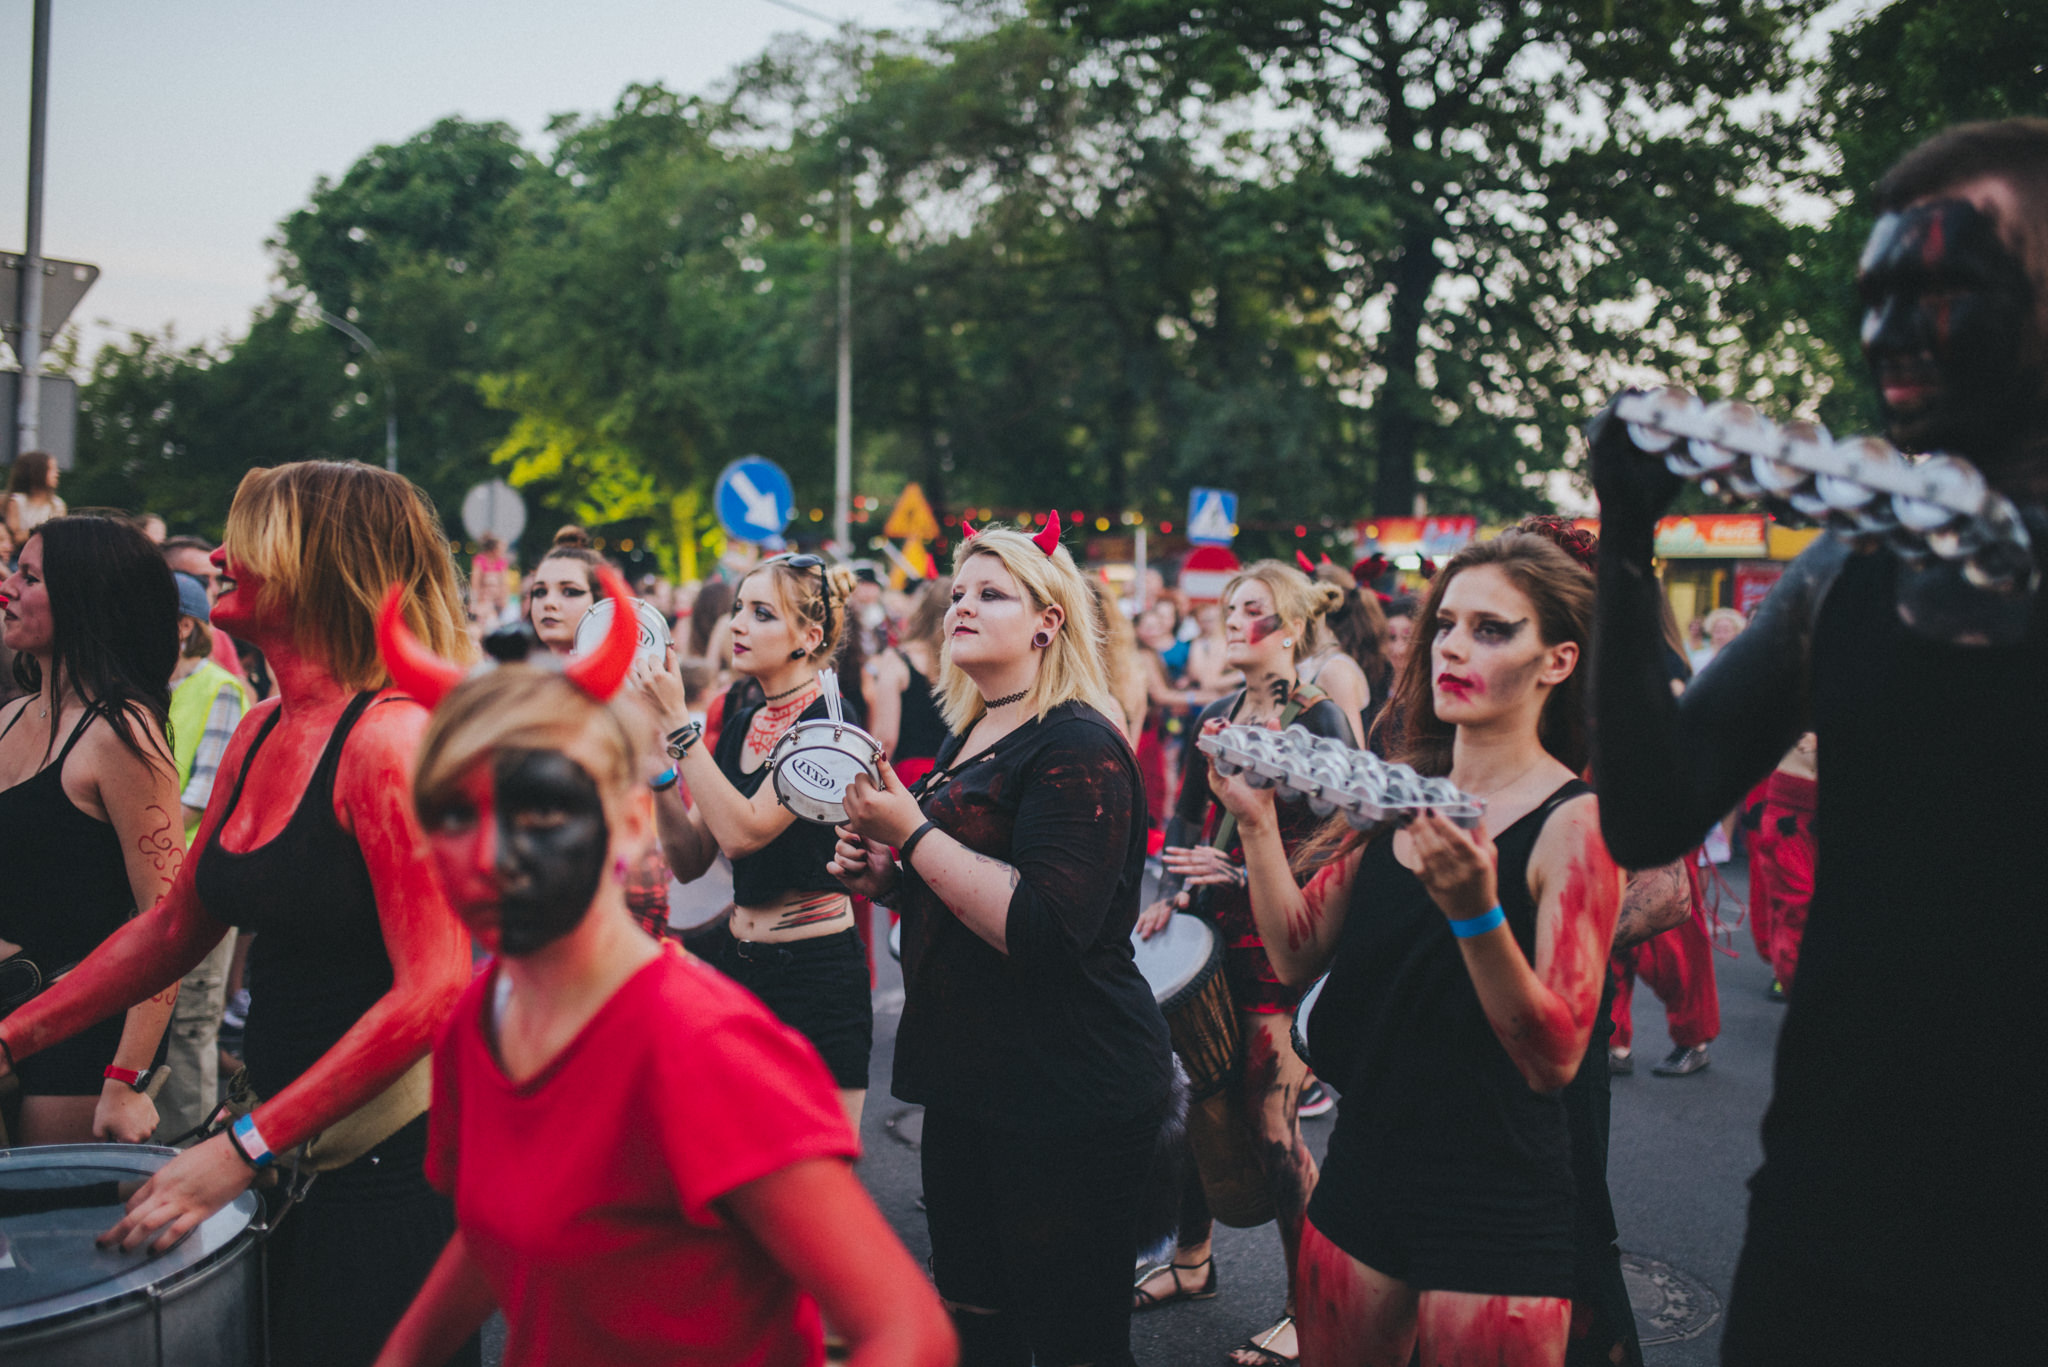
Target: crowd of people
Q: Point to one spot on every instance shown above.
(344, 869)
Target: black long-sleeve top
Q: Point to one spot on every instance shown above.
(1061, 1032)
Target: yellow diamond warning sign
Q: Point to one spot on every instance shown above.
(911, 519)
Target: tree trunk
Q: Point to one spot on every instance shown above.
(1403, 403)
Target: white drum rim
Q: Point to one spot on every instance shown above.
(212, 1239)
(1187, 922)
(804, 736)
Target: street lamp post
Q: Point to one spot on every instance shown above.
(361, 339)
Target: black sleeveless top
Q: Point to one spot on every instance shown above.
(922, 730)
(793, 861)
(318, 963)
(1437, 1131)
(66, 886)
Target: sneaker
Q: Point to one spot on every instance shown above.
(1315, 1100)
(1679, 1062)
(1619, 1063)
(1777, 992)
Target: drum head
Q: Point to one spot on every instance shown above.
(815, 762)
(49, 1265)
(654, 635)
(1176, 956)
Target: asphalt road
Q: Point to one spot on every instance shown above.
(1682, 1149)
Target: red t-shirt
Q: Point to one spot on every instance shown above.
(588, 1195)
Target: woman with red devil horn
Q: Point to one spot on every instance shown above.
(699, 1193)
(313, 848)
(1028, 1034)
(790, 937)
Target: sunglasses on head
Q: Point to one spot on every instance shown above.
(810, 562)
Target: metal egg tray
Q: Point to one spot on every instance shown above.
(1927, 507)
(1333, 777)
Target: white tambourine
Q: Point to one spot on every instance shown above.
(654, 635)
(815, 761)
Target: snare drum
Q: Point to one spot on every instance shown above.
(654, 635)
(1184, 966)
(66, 1302)
(815, 761)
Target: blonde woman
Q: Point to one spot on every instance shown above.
(791, 937)
(310, 843)
(1028, 1034)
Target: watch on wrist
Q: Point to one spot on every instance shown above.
(136, 1081)
(682, 738)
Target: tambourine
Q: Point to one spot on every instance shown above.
(815, 760)
(654, 634)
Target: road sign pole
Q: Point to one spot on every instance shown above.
(29, 349)
(842, 445)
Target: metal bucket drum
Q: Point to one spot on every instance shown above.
(654, 634)
(1183, 964)
(66, 1302)
(816, 760)
(1297, 1033)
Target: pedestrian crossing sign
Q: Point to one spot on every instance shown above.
(1212, 517)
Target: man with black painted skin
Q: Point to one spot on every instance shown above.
(1898, 1211)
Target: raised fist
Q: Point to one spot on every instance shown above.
(1633, 485)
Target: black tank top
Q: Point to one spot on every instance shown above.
(1435, 1115)
(922, 730)
(319, 961)
(793, 861)
(66, 884)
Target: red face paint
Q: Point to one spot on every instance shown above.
(1259, 629)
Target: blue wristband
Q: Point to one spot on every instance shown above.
(248, 1140)
(664, 780)
(1480, 924)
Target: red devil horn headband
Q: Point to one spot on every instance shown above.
(1049, 539)
(428, 678)
(1308, 566)
(966, 530)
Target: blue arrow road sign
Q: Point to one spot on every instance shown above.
(1212, 516)
(754, 499)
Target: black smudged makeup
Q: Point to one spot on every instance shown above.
(552, 843)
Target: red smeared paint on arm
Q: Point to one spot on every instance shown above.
(1330, 881)
(429, 949)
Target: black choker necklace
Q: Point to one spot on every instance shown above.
(789, 692)
(993, 703)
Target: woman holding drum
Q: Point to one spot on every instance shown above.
(1272, 622)
(314, 847)
(89, 801)
(697, 1190)
(561, 589)
(791, 937)
(1028, 1033)
(1465, 971)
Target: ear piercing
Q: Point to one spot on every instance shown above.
(1042, 640)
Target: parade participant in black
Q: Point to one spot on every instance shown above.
(1896, 1212)
(1465, 972)
(1272, 622)
(790, 937)
(1028, 1033)
(314, 845)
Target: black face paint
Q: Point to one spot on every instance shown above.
(1948, 331)
(552, 843)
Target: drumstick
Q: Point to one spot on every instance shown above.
(79, 1196)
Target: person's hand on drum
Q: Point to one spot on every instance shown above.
(124, 1115)
(182, 1193)
(865, 866)
(1202, 866)
(885, 812)
(1456, 865)
(660, 688)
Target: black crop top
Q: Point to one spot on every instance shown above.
(67, 884)
(793, 861)
(319, 962)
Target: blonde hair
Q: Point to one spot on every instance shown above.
(1071, 668)
(803, 594)
(331, 538)
(518, 707)
(1119, 640)
(1296, 598)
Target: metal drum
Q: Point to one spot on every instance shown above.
(1297, 1033)
(654, 634)
(1183, 964)
(66, 1302)
(816, 760)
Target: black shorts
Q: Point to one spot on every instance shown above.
(817, 987)
(77, 1066)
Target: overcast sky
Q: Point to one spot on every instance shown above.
(180, 134)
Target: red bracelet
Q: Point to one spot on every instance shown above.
(119, 1074)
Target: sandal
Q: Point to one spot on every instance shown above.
(1255, 1352)
(1141, 1299)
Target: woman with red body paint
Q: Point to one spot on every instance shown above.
(699, 1192)
(1465, 973)
(315, 846)
(1272, 622)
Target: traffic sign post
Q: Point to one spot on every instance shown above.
(493, 508)
(1212, 517)
(754, 499)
